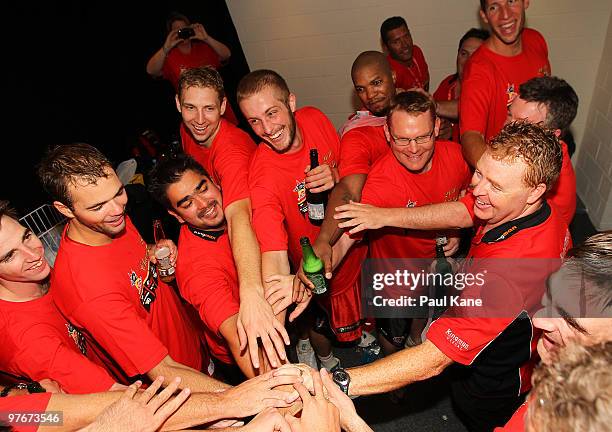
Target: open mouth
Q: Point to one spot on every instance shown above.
(209, 212)
(275, 136)
(38, 264)
(481, 204)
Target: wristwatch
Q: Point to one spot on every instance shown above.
(31, 387)
(342, 379)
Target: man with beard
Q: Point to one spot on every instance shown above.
(508, 58)
(406, 59)
(513, 220)
(106, 284)
(279, 177)
(205, 271)
(225, 152)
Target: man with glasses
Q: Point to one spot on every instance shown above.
(418, 171)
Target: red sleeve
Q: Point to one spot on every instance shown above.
(476, 95)
(563, 193)
(36, 402)
(118, 328)
(354, 154)
(210, 292)
(232, 165)
(46, 356)
(516, 422)
(268, 217)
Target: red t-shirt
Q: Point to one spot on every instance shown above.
(38, 343)
(390, 184)
(491, 81)
(226, 160)
(176, 62)
(131, 320)
(360, 148)
(505, 347)
(446, 92)
(31, 403)
(563, 193)
(416, 75)
(278, 195)
(207, 278)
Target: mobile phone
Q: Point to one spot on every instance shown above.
(186, 33)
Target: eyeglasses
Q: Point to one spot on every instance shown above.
(403, 142)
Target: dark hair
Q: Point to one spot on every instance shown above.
(536, 146)
(175, 16)
(256, 81)
(205, 76)
(557, 95)
(412, 102)
(391, 24)
(7, 210)
(69, 163)
(593, 259)
(169, 171)
(483, 5)
(473, 33)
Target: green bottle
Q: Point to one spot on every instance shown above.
(313, 267)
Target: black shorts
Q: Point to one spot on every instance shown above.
(395, 330)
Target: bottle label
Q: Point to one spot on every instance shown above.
(316, 211)
(318, 280)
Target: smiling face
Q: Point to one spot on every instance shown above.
(500, 192)
(399, 44)
(272, 119)
(506, 19)
(375, 88)
(98, 210)
(412, 137)
(197, 201)
(561, 320)
(201, 110)
(22, 255)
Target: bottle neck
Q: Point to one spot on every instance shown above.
(311, 262)
(440, 251)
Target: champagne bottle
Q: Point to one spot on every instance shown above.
(165, 269)
(316, 201)
(313, 267)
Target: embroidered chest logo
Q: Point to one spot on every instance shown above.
(451, 195)
(78, 338)
(146, 288)
(510, 93)
(300, 190)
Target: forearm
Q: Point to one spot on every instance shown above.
(245, 249)
(155, 64)
(398, 370)
(190, 378)
(221, 49)
(355, 424)
(473, 145)
(349, 188)
(448, 215)
(448, 109)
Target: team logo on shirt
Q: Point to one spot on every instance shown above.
(146, 288)
(451, 195)
(78, 338)
(411, 204)
(511, 93)
(300, 190)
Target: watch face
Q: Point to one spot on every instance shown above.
(341, 376)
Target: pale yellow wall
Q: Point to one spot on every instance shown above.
(313, 43)
(594, 163)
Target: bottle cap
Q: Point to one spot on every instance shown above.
(441, 241)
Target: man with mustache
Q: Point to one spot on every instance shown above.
(205, 273)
